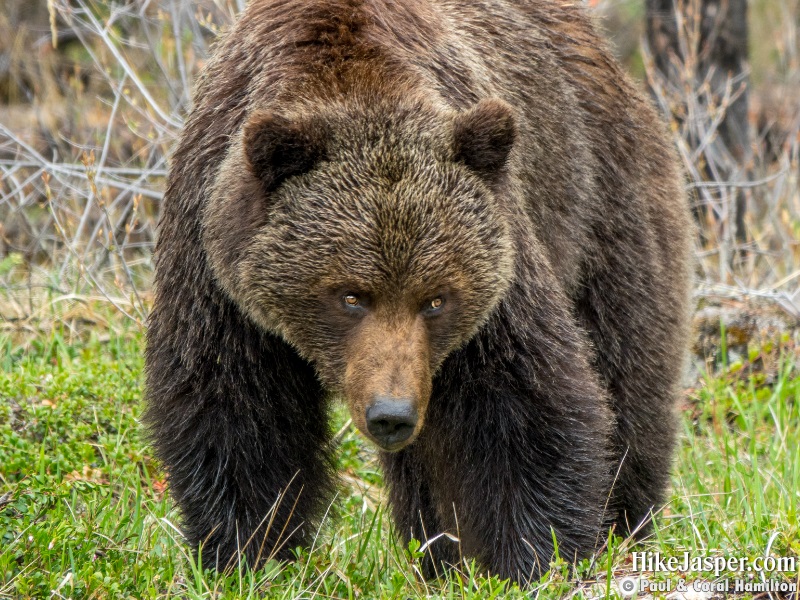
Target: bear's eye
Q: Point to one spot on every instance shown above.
(434, 305)
(353, 303)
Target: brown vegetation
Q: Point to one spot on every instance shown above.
(119, 81)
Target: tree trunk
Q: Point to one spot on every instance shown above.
(706, 41)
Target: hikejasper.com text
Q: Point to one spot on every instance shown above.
(655, 562)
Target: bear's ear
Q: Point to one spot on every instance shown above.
(484, 136)
(278, 148)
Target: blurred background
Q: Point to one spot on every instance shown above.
(93, 94)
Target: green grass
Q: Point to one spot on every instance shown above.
(84, 512)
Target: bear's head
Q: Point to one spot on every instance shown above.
(371, 238)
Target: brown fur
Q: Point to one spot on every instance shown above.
(488, 152)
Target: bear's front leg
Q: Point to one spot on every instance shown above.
(516, 444)
(639, 324)
(240, 424)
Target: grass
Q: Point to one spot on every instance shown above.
(85, 511)
(86, 134)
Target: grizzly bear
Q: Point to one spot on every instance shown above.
(462, 218)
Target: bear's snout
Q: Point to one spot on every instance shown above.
(391, 421)
(387, 379)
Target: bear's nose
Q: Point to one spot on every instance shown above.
(391, 421)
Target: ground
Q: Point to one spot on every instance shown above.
(84, 513)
